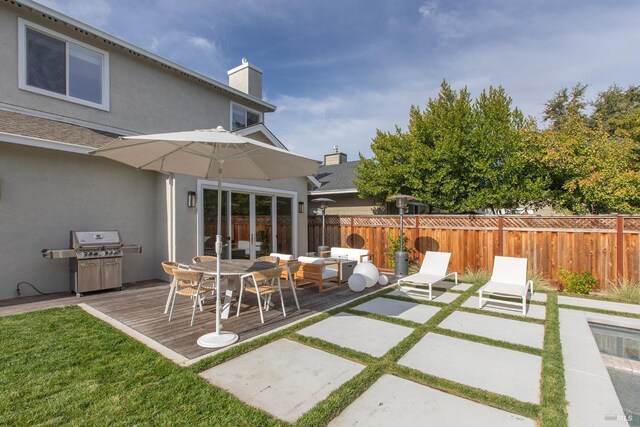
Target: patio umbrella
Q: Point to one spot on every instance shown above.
(209, 153)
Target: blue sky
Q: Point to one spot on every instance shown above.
(340, 69)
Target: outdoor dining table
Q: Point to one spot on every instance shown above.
(232, 269)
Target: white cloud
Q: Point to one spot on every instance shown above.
(94, 12)
(201, 42)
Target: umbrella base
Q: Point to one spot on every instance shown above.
(217, 340)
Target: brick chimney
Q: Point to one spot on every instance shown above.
(246, 78)
(335, 158)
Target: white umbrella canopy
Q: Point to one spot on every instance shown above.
(199, 152)
(209, 153)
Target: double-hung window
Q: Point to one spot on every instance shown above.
(242, 117)
(58, 66)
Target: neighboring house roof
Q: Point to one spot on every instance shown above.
(138, 51)
(24, 125)
(336, 179)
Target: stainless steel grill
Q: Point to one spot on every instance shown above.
(95, 260)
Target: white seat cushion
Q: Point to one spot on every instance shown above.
(283, 257)
(421, 278)
(493, 287)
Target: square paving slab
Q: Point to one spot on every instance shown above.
(370, 336)
(513, 331)
(438, 296)
(401, 309)
(283, 378)
(533, 310)
(508, 372)
(397, 402)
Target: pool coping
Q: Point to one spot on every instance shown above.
(585, 371)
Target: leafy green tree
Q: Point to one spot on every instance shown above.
(458, 155)
(590, 171)
(618, 110)
(557, 108)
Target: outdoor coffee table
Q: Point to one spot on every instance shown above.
(232, 269)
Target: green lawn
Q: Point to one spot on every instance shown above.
(62, 366)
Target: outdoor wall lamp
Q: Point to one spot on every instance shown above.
(300, 207)
(324, 204)
(191, 199)
(401, 256)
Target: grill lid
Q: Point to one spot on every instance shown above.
(83, 239)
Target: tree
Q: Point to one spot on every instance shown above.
(557, 108)
(590, 171)
(619, 111)
(457, 155)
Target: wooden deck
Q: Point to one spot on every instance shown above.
(141, 308)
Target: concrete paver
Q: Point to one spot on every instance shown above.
(513, 331)
(401, 309)
(283, 378)
(438, 296)
(370, 336)
(397, 402)
(590, 393)
(602, 305)
(535, 311)
(508, 372)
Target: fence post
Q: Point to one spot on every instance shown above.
(619, 243)
(500, 237)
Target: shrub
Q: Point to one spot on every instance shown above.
(624, 290)
(475, 277)
(394, 246)
(577, 283)
(540, 283)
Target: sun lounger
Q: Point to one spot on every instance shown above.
(509, 279)
(433, 269)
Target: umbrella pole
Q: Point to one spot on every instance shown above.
(218, 338)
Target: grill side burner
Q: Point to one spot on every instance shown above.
(95, 260)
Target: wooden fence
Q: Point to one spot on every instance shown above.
(606, 245)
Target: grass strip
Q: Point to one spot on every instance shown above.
(503, 315)
(526, 409)
(344, 352)
(416, 300)
(63, 366)
(343, 396)
(552, 387)
(490, 341)
(601, 311)
(388, 319)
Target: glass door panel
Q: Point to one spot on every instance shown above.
(240, 226)
(263, 225)
(284, 233)
(210, 214)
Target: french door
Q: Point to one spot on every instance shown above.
(254, 223)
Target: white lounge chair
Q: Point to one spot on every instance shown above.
(509, 279)
(433, 269)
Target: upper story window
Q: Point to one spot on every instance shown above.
(58, 66)
(242, 117)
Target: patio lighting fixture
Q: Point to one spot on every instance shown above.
(401, 256)
(324, 204)
(300, 207)
(191, 199)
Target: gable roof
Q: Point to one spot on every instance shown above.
(138, 51)
(336, 179)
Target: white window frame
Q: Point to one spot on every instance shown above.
(232, 104)
(22, 65)
(203, 184)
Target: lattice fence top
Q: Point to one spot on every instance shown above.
(563, 223)
(459, 222)
(606, 223)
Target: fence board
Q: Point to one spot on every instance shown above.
(576, 243)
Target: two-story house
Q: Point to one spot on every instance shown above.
(67, 88)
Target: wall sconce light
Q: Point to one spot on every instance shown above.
(300, 207)
(191, 199)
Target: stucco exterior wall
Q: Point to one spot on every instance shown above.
(348, 204)
(145, 97)
(44, 194)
